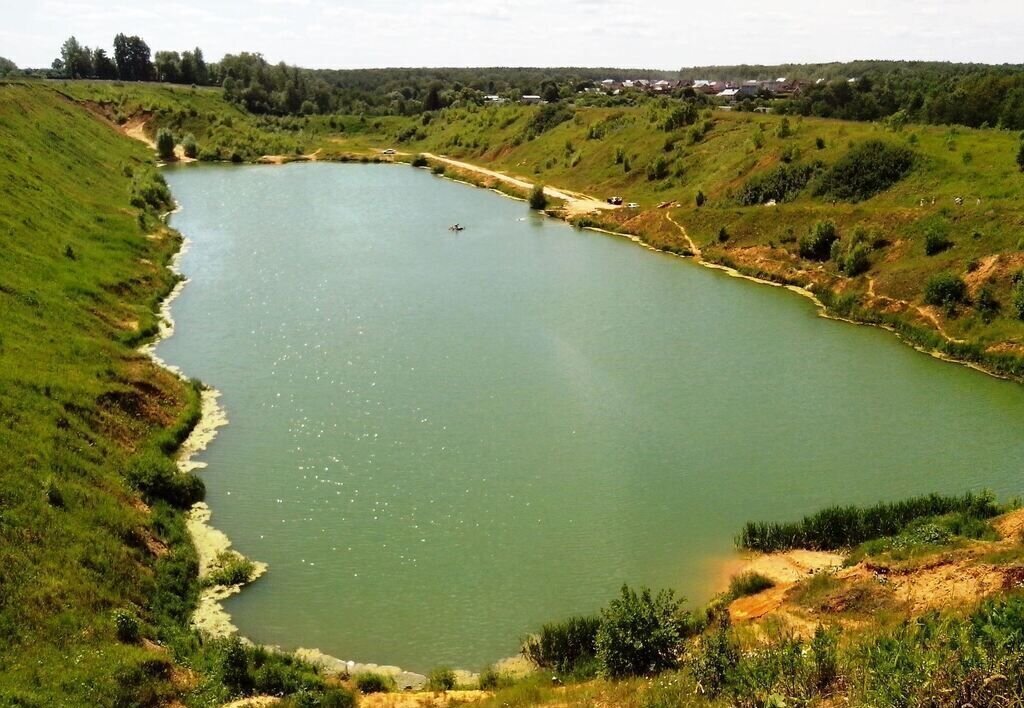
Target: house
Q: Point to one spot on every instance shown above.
(493, 100)
(530, 100)
(728, 94)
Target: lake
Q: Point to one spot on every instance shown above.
(440, 440)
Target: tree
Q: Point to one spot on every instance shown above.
(7, 67)
(102, 65)
(165, 144)
(538, 200)
(640, 634)
(1020, 156)
(132, 57)
(168, 67)
(945, 290)
(76, 59)
(549, 92)
(433, 100)
(700, 198)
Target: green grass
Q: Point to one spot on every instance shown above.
(91, 577)
(749, 583)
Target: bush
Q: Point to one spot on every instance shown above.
(681, 116)
(640, 634)
(935, 240)
(856, 260)
(234, 666)
(866, 170)
(945, 290)
(817, 246)
(715, 658)
(165, 144)
(723, 235)
(1017, 296)
(126, 626)
(749, 583)
(1020, 157)
(157, 478)
(781, 184)
(549, 116)
(538, 200)
(419, 161)
(987, 304)
(701, 199)
(657, 169)
(491, 679)
(370, 682)
(563, 646)
(441, 679)
(819, 143)
(234, 569)
(190, 147)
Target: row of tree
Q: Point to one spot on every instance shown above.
(131, 62)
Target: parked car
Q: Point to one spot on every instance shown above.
(632, 205)
(615, 200)
(389, 151)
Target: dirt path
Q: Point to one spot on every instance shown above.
(693, 245)
(576, 203)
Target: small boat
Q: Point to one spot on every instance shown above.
(456, 227)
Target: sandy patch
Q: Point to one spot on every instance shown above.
(136, 129)
(576, 204)
(422, 699)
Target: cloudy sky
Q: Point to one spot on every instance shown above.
(664, 34)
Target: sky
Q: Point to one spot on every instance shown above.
(657, 34)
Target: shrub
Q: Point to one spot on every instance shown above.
(855, 261)
(781, 184)
(126, 626)
(563, 646)
(437, 169)
(784, 130)
(1020, 156)
(640, 634)
(987, 304)
(419, 161)
(945, 290)
(370, 682)
(681, 116)
(549, 116)
(935, 240)
(866, 170)
(156, 477)
(538, 200)
(441, 679)
(491, 679)
(715, 658)
(819, 143)
(749, 583)
(723, 235)
(165, 144)
(701, 199)
(817, 246)
(234, 666)
(190, 147)
(1017, 295)
(657, 169)
(233, 569)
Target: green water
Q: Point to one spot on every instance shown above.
(439, 441)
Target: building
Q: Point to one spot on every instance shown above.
(530, 100)
(494, 100)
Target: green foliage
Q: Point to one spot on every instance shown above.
(936, 239)
(817, 245)
(165, 144)
(723, 235)
(714, 660)
(538, 199)
(231, 569)
(819, 143)
(441, 679)
(493, 680)
(987, 304)
(749, 583)
(640, 634)
(680, 116)
(845, 526)
(564, 646)
(157, 478)
(190, 147)
(1017, 296)
(126, 625)
(781, 184)
(371, 682)
(701, 199)
(866, 170)
(657, 169)
(1020, 156)
(945, 290)
(420, 161)
(784, 130)
(549, 116)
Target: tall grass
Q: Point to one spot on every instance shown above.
(844, 526)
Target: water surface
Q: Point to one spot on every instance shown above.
(439, 441)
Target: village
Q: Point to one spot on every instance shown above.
(726, 92)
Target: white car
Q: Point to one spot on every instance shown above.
(632, 205)
(389, 151)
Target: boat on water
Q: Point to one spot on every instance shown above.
(456, 227)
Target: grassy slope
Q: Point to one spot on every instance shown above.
(974, 164)
(76, 399)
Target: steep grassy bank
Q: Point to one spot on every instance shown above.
(97, 575)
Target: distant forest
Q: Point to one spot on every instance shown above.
(975, 95)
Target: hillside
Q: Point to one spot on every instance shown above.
(98, 577)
